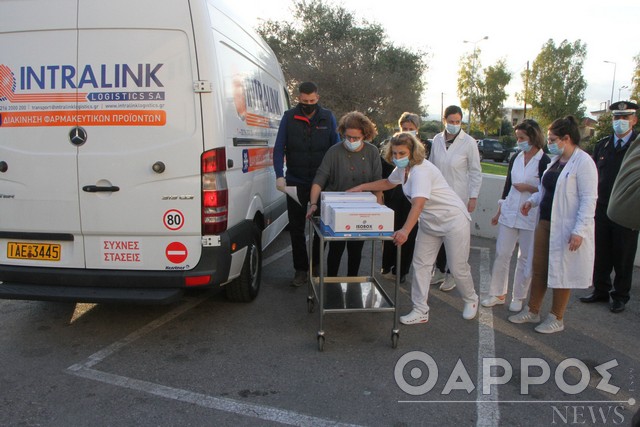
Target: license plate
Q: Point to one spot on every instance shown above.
(34, 251)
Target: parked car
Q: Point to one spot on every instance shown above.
(492, 149)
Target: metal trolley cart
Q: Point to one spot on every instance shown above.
(349, 294)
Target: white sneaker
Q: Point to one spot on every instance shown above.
(414, 317)
(516, 305)
(550, 325)
(525, 316)
(491, 301)
(437, 277)
(448, 284)
(470, 310)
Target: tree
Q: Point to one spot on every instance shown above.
(488, 91)
(604, 127)
(635, 81)
(353, 63)
(555, 82)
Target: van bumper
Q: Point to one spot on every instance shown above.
(109, 286)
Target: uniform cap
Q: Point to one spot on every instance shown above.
(623, 108)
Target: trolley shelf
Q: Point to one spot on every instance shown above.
(349, 294)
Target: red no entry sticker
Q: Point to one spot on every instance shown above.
(176, 252)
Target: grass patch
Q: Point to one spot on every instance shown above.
(494, 168)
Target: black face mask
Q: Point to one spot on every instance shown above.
(308, 109)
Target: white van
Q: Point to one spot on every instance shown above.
(136, 147)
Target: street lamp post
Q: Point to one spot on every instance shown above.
(620, 89)
(473, 71)
(441, 109)
(613, 85)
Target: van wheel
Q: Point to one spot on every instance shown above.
(245, 287)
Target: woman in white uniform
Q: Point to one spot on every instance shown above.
(563, 248)
(441, 217)
(523, 178)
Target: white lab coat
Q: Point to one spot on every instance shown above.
(573, 211)
(460, 164)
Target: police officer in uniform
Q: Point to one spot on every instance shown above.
(615, 245)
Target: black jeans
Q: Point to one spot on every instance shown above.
(354, 255)
(396, 200)
(615, 251)
(297, 226)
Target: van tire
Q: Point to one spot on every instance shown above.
(245, 287)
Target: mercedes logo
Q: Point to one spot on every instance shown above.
(78, 136)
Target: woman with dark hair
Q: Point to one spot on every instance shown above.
(353, 162)
(564, 238)
(441, 217)
(523, 178)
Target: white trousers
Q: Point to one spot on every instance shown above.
(505, 244)
(456, 243)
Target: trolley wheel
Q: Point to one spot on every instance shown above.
(310, 305)
(394, 339)
(320, 342)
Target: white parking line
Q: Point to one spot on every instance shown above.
(85, 370)
(220, 404)
(487, 405)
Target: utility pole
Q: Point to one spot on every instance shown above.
(441, 110)
(526, 88)
(613, 85)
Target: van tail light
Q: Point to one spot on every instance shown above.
(215, 196)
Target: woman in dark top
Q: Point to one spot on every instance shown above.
(564, 238)
(346, 165)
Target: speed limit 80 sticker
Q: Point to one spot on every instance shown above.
(173, 219)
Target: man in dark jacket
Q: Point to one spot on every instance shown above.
(306, 132)
(615, 245)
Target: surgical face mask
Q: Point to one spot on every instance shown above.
(620, 127)
(352, 146)
(402, 162)
(554, 149)
(308, 109)
(524, 146)
(411, 132)
(452, 129)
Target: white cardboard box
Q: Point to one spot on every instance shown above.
(360, 221)
(342, 197)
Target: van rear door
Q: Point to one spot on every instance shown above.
(39, 220)
(139, 170)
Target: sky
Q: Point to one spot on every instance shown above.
(516, 32)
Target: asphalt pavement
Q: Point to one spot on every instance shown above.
(205, 361)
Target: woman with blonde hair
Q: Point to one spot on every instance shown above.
(441, 217)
